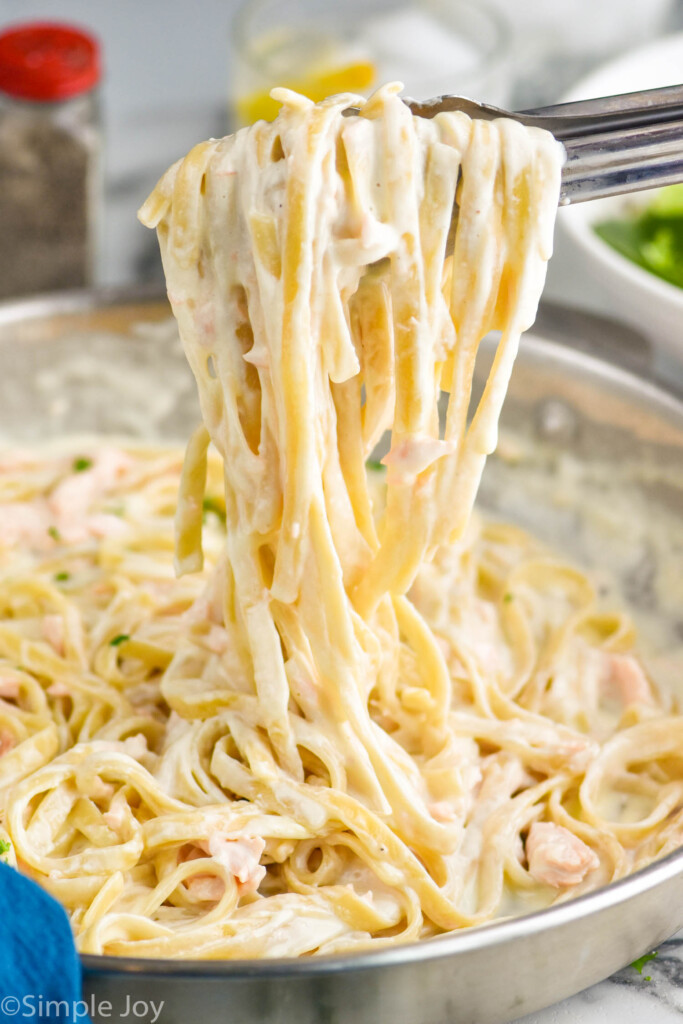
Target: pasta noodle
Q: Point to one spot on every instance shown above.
(372, 716)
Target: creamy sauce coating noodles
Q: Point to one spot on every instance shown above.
(359, 715)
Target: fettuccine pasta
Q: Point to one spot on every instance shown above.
(359, 714)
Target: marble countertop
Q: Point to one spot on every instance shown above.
(654, 996)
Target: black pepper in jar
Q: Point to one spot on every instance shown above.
(49, 158)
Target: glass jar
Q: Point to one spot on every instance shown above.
(319, 48)
(50, 155)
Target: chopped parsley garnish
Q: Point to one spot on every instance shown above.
(120, 639)
(214, 506)
(374, 464)
(62, 577)
(5, 847)
(81, 464)
(641, 961)
(54, 533)
(508, 597)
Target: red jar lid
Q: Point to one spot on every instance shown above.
(47, 61)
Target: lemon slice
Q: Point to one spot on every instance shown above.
(352, 77)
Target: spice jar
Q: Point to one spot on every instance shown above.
(50, 147)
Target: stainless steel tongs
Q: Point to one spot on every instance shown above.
(614, 145)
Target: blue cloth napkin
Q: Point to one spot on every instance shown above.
(40, 973)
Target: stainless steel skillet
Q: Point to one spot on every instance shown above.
(48, 348)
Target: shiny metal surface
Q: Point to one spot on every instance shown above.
(483, 976)
(614, 144)
(576, 119)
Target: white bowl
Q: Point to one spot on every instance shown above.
(630, 292)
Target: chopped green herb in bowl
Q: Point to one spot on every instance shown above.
(653, 238)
